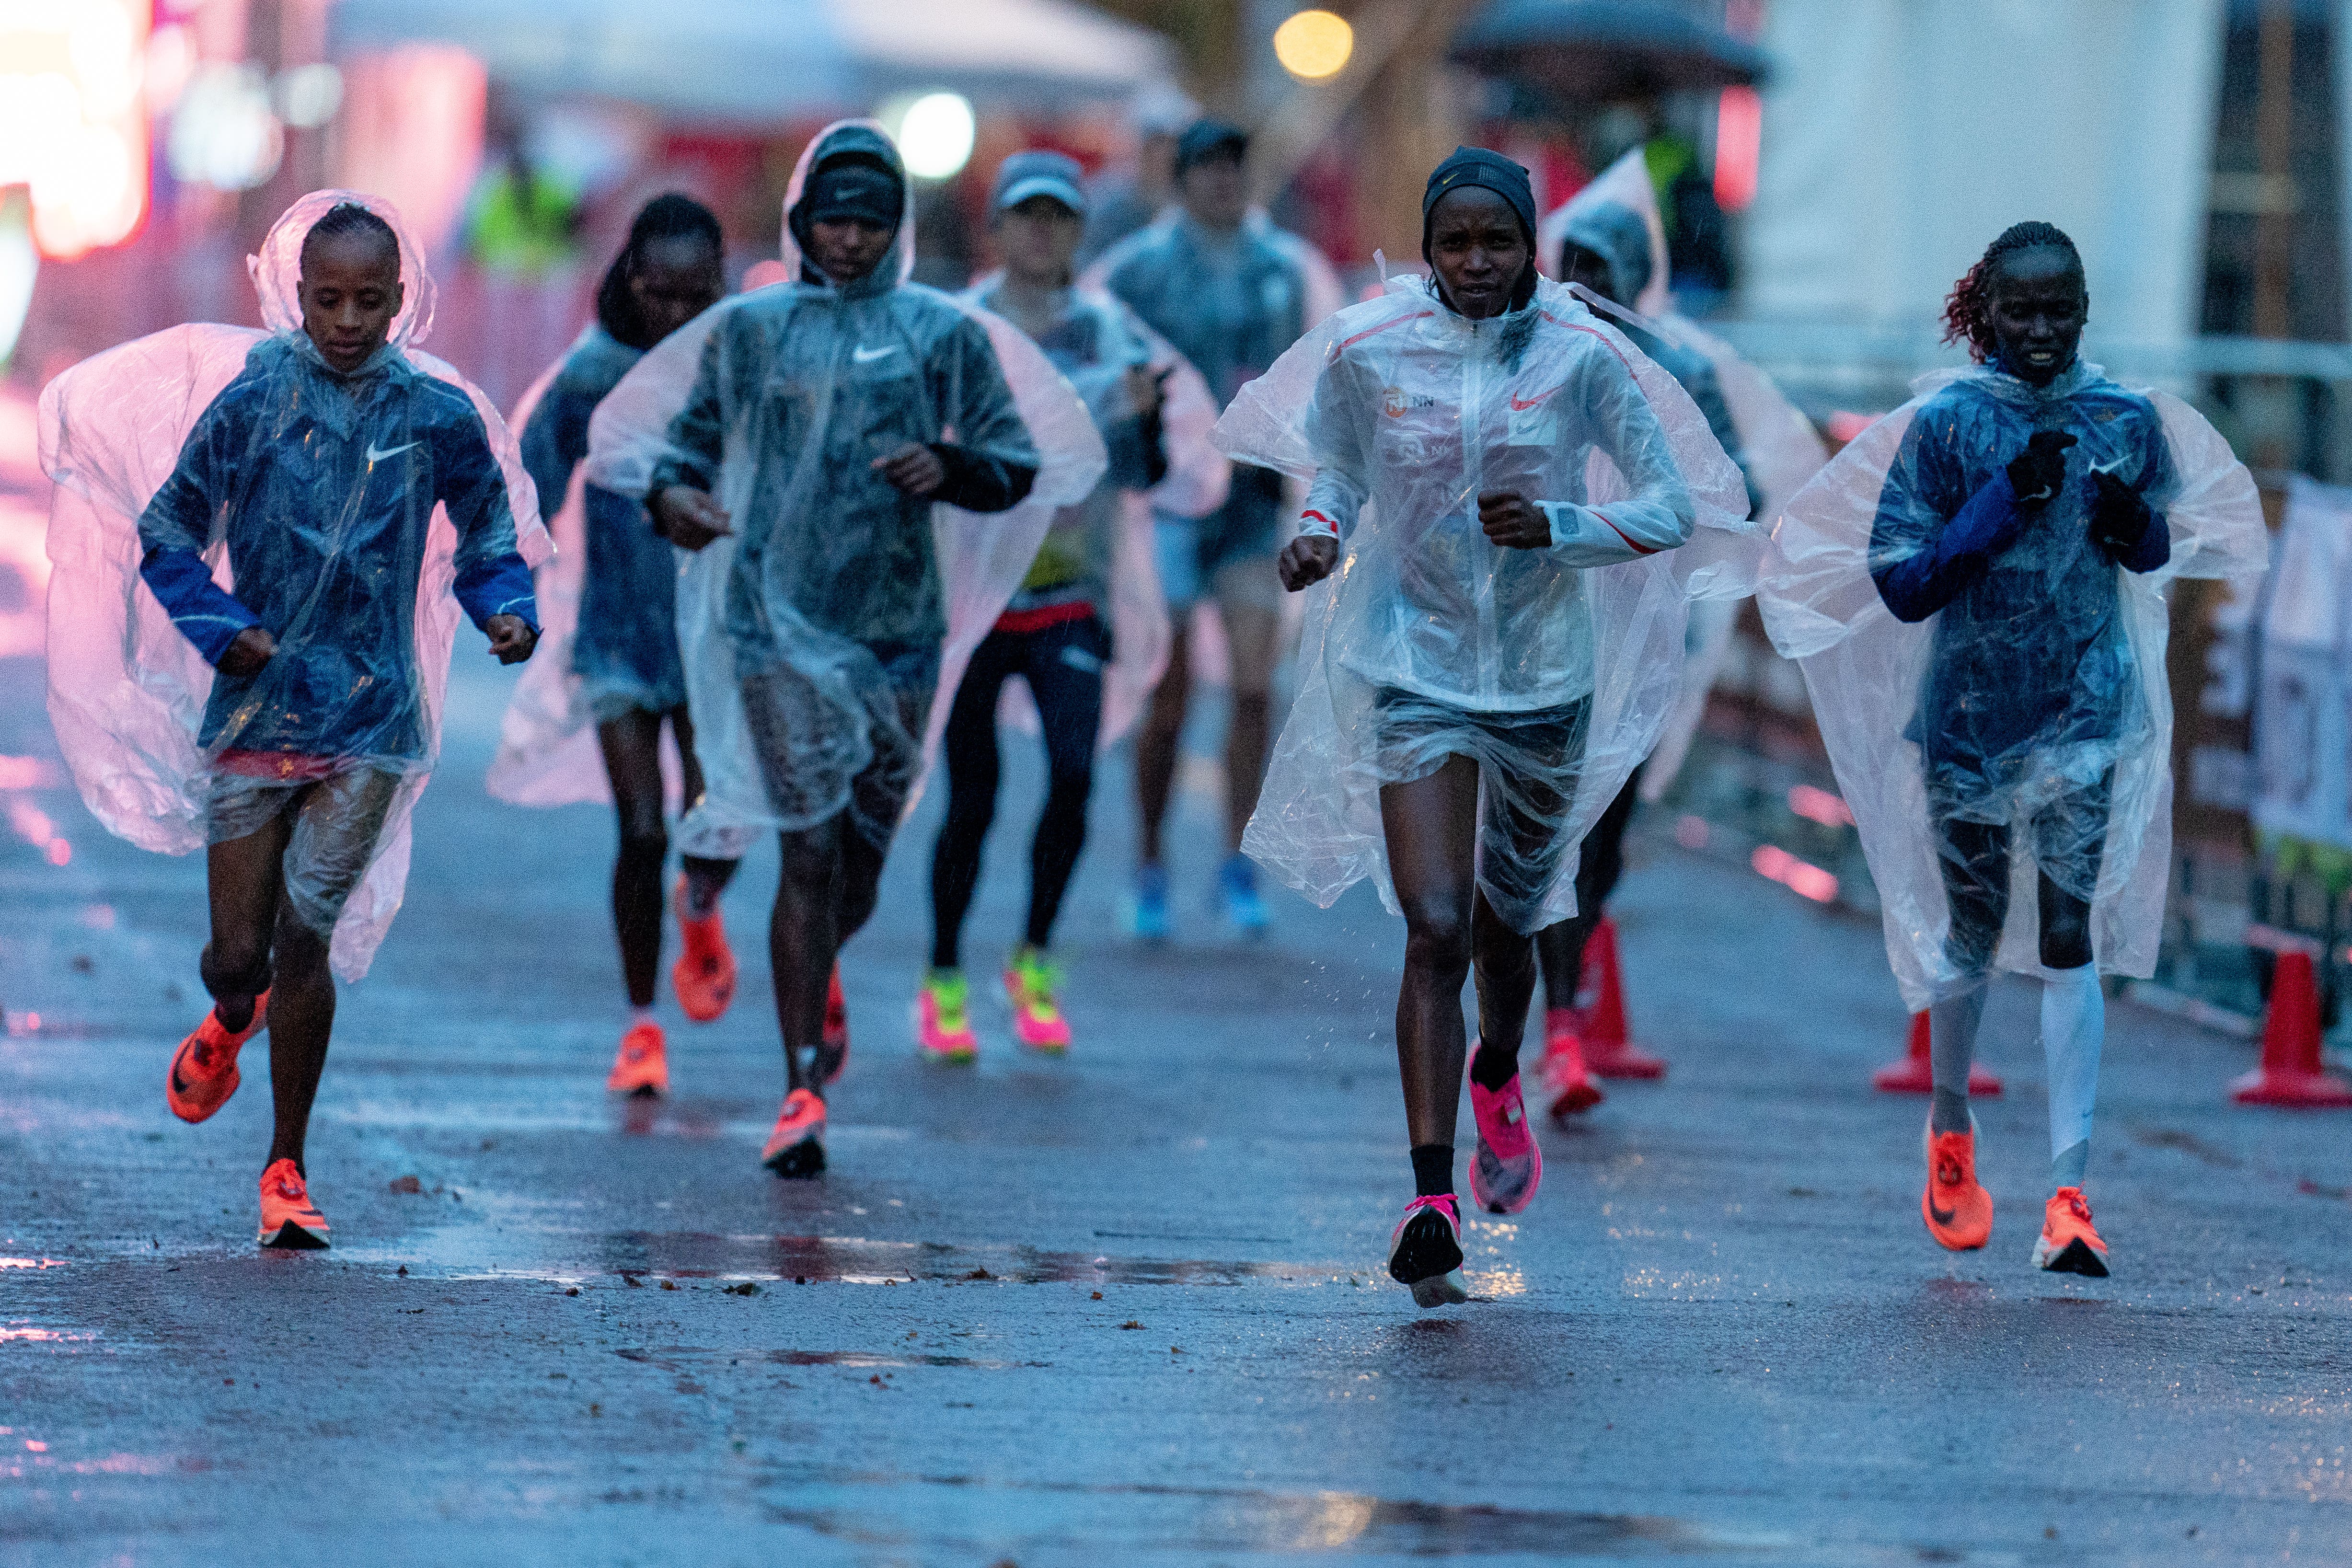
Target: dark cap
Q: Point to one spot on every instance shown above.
(1026, 175)
(1490, 171)
(1206, 138)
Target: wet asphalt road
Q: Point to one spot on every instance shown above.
(1127, 1307)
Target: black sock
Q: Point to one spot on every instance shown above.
(1492, 1066)
(1433, 1170)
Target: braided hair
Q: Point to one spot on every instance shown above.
(668, 217)
(350, 217)
(1968, 313)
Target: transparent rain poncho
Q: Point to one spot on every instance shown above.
(1776, 446)
(1554, 668)
(2034, 702)
(607, 606)
(358, 679)
(1108, 537)
(802, 385)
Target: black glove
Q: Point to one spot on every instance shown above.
(2120, 515)
(2036, 473)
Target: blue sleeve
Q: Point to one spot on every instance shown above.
(173, 532)
(2159, 485)
(993, 462)
(1922, 557)
(491, 579)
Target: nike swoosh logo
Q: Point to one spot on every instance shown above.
(1520, 407)
(867, 356)
(1941, 1216)
(377, 455)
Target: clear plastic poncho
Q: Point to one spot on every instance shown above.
(1554, 668)
(1774, 442)
(808, 385)
(2036, 700)
(1095, 343)
(129, 693)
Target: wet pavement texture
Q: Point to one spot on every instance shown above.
(1125, 1307)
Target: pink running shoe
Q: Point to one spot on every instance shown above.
(1507, 1168)
(796, 1147)
(943, 1017)
(1425, 1251)
(1029, 981)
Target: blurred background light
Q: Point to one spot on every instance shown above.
(20, 264)
(73, 124)
(935, 135)
(308, 96)
(1313, 44)
(225, 134)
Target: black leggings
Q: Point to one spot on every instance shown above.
(1601, 861)
(2069, 832)
(1062, 665)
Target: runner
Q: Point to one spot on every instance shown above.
(1499, 591)
(1232, 293)
(1089, 625)
(1608, 239)
(314, 462)
(795, 439)
(612, 658)
(1974, 590)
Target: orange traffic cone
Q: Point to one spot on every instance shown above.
(1601, 1006)
(2292, 1072)
(1915, 1073)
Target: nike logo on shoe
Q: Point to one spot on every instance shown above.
(377, 455)
(867, 356)
(1942, 1215)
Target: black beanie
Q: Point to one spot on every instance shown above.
(1490, 171)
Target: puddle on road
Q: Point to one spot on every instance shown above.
(1143, 1518)
(572, 1257)
(695, 1358)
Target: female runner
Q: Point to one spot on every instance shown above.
(1496, 475)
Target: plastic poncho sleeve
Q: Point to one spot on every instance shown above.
(697, 438)
(489, 577)
(1336, 498)
(1658, 512)
(173, 532)
(992, 463)
(1919, 561)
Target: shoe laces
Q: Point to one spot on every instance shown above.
(2075, 1204)
(1947, 1171)
(1445, 1204)
(1037, 975)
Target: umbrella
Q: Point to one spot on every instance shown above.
(1600, 50)
(769, 61)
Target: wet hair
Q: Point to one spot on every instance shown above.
(1968, 314)
(668, 217)
(350, 217)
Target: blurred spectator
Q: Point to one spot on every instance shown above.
(1126, 197)
(523, 219)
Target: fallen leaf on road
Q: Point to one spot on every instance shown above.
(1131, 1323)
(408, 1184)
(745, 1289)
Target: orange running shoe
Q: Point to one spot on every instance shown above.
(287, 1217)
(204, 1070)
(643, 1065)
(704, 974)
(1573, 1090)
(1959, 1212)
(833, 1050)
(796, 1147)
(2068, 1244)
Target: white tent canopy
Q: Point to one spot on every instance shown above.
(1900, 136)
(762, 61)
